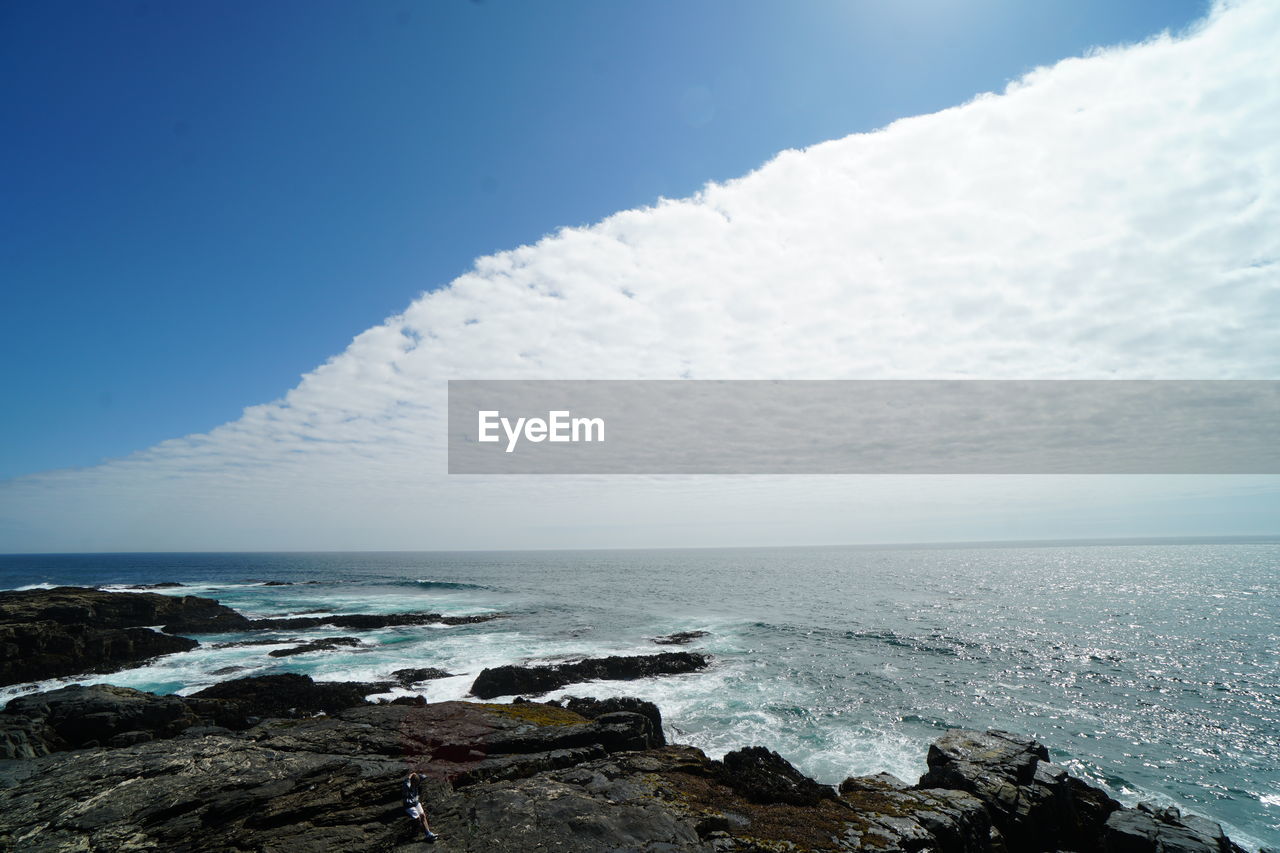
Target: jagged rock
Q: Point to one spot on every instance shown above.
(1037, 806)
(763, 776)
(679, 638)
(592, 708)
(326, 644)
(1146, 829)
(45, 633)
(513, 680)
(410, 677)
(887, 816)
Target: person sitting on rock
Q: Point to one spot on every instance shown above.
(411, 791)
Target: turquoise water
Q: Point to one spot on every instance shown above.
(1152, 669)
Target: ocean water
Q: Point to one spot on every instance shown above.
(1151, 669)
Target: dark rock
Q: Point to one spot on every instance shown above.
(129, 738)
(288, 695)
(352, 621)
(161, 585)
(80, 715)
(261, 641)
(876, 782)
(276, 583)
(679, 638)
(593, 708)
(31, 651)
(73, 605)
(410, 677)
(513, 680)
(332, 784)
(1036, 805)
(369, 622)
(1146, 829)
(70, 605)
(501, 778)
(326, 644)
(888, 817)
(763, 776)
(45, 633)
(24, 737)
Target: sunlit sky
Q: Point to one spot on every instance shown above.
(206, 200)
(248, 244)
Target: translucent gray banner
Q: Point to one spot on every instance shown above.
(864, 427)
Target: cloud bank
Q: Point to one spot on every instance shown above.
(1112, 216)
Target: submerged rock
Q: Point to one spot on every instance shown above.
(350, 621)
(679, 638)
(323, 645)
(512, 680)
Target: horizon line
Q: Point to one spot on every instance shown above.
(1241, 538)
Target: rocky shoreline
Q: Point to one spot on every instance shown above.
(283, 763)
(276, 763)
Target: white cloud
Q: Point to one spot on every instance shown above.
(1110, 216)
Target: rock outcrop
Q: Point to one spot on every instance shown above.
(534, 680)
(763, 776)
(1032, 801)
(322, 645)
(520, 777)
(413, 675)
(288, 695)
(592, 708)
(679, 638)
(46, 633)
(81, 716)
(349, 621)
(77, 717)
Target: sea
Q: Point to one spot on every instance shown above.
(1149, 668)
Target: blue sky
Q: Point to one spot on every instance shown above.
(203, 201)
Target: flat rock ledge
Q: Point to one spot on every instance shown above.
(204, 774)
(515, 680)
